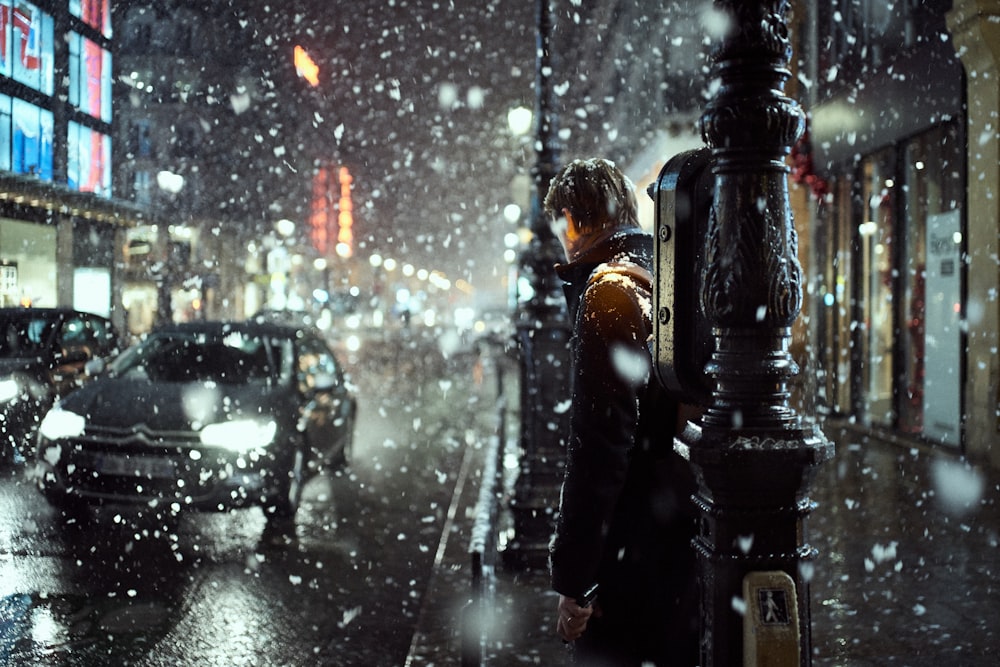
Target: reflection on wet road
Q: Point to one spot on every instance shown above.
(143, 588)
(906, 573)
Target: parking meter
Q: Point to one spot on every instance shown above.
(683, 342)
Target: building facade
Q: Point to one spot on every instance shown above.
(165, 108)
(901, 164)
(59, 220)
(206, 144)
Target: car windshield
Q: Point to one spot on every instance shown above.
(24, 336)
(232, 358)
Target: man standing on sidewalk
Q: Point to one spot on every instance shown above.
(625, 524)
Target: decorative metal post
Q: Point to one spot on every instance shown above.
(754, 457)
(543, 340)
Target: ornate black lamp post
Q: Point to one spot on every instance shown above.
(753, 455)
(543, 335)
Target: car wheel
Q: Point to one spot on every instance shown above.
(68, 508)
(343, 458)
(348, 453)
(285, 501)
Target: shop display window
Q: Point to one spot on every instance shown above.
(90, 77)
(31, 136)
(89, 166)
(27, 45)
(95, 13)
(890, 326)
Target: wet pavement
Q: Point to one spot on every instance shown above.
(135, 586)
(908, 541)
(909, 552)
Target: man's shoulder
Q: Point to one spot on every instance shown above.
(623, 271)
(617, 288)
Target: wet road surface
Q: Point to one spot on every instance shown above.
(129, 588)
(908, 541)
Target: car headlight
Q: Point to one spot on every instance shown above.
(239, 434)
(59, 423)
(9, 389)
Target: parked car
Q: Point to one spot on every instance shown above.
(207, 416)
(43, 355)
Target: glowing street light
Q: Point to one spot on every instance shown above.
(512, 213)
(170, 182)
(285, 227)
(519, 120)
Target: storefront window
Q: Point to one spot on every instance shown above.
(31, 145)
(26, 45)
(890, 351)
(95, 13)
(931, 340)
(89, 153)
(89, 77)
(876, 232)
(92, 290)
(29, 252)
(6, 128)
(6, 45)
(833, 245)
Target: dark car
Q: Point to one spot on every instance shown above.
(43, 354)
(208, 416)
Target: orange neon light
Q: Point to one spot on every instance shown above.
(345, 220)
(305, 67)
(318, 218)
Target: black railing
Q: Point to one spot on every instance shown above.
(486, 527)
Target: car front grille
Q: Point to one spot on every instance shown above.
(138, 436)
(140, 465)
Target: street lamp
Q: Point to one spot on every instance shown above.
(542, 327)
(285, 227)
(753, 456)
(170, 182)
(519, 120)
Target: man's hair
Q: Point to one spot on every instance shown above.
(596, 193)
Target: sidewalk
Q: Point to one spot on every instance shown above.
(909, 542)
(518, 626)
(909, 553)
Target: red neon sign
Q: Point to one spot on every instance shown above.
(345, 220)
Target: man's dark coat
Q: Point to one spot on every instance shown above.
(625, 521)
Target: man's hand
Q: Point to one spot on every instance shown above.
(572, 618)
